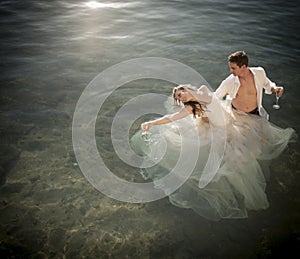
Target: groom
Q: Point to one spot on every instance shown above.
(245, 85)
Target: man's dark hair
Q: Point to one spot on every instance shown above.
(239, 57)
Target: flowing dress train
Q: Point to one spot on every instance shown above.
(233, 147)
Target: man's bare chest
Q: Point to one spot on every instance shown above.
(247, 88)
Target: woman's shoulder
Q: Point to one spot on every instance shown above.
(204, 88)
(204, 94)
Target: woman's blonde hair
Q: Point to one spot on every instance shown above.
(198, 108)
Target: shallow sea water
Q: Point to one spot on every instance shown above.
(51, 50)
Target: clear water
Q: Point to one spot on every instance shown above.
(51, 50)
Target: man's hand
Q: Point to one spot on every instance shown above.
(278, 90)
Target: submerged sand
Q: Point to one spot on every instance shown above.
(49, 210)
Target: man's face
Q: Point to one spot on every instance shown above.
(235, 69)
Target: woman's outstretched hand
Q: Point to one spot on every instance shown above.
(146, 126)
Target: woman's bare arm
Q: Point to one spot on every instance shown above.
(168, 118)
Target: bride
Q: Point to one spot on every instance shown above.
(228, 179)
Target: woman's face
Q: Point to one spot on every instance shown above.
(183, 95)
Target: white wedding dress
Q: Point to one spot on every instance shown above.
(228, 179)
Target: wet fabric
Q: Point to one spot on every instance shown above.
(239, 183)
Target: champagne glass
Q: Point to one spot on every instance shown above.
(276, 105)
(146, 136)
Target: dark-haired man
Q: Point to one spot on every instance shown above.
(245, 85)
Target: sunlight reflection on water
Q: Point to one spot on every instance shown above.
(95, 4)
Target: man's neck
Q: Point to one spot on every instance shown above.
(245, 74)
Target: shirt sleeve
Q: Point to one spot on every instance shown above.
(223, 89)
(267, 84)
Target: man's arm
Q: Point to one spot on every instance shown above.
(269, 86)
(225, 87)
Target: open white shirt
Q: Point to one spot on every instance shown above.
(231, 86)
